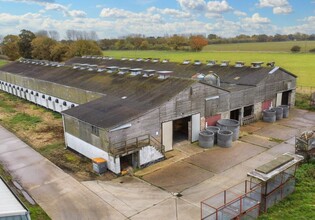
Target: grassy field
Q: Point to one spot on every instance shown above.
(263, 46)
(301, 64)
(2, 62)
(301, 204)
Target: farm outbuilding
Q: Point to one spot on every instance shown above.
(130, 112)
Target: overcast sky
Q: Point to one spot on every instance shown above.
(115, 18)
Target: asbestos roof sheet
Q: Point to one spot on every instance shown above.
(124, 96)
(102, 82)
(112, 110)
(228, 74)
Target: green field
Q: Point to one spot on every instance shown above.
(275, 47)
(2, 62)
(301, 204)
(301, 64)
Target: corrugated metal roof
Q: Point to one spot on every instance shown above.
(112, 110)
(9, 204)
(228, 74)
(101, 82)
(142, 93)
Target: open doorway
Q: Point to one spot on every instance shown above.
(248, 110)
(235, 114)
(130, 160)
(181, 129)
(285, 98)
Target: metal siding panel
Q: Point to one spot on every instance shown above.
(212, 121)
(279, 98)
(167, 135)
(195, 125)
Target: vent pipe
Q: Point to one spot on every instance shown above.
(164, 74)
(257, 64)
(239, 64)
(225, 63)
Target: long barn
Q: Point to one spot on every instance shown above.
(132, 111)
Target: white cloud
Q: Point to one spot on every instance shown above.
(279, 6)
(307, 26)
(170, 12)
(257, 19)
(282, 10)
(77, 13)
(198, 5)
(115, 13)
(218, 7)
(239, 13)
(210, 9)
(50, 5)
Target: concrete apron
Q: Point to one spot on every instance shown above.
(218, 169)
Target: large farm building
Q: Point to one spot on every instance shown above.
(132, 111)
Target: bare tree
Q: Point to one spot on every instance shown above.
(42, 33)
(93, 35)
(71, 35)
(54, 35)
(81, 35)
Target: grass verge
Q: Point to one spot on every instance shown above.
(300, 205)
(302, 101)
(35, 210)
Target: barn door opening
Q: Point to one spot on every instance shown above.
(285, 98)
(235, 114)
(130, 160)
(181, 129)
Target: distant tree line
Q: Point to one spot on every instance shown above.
(140, 42)
(44, 45)
(215, 39)
(192, 42)
(47, 45)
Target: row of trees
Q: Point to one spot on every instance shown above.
(215, 39)
(46, 45)
(41, 46)
(138, 42)
(191, 42)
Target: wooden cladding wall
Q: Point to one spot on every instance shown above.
(83, 131)
(186, 103)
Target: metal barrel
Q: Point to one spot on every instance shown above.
(231, 125)
(269, 115)
(215, 130)
(279, 113)
(225, 138)
(285, 110)
(206, 139)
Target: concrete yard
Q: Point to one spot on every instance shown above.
(193, 172)
(220, 159)
(178, 176)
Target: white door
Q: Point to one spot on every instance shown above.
(167, 135)
(279, 99)
(195, 127)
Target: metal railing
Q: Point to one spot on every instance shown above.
(135, 144)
